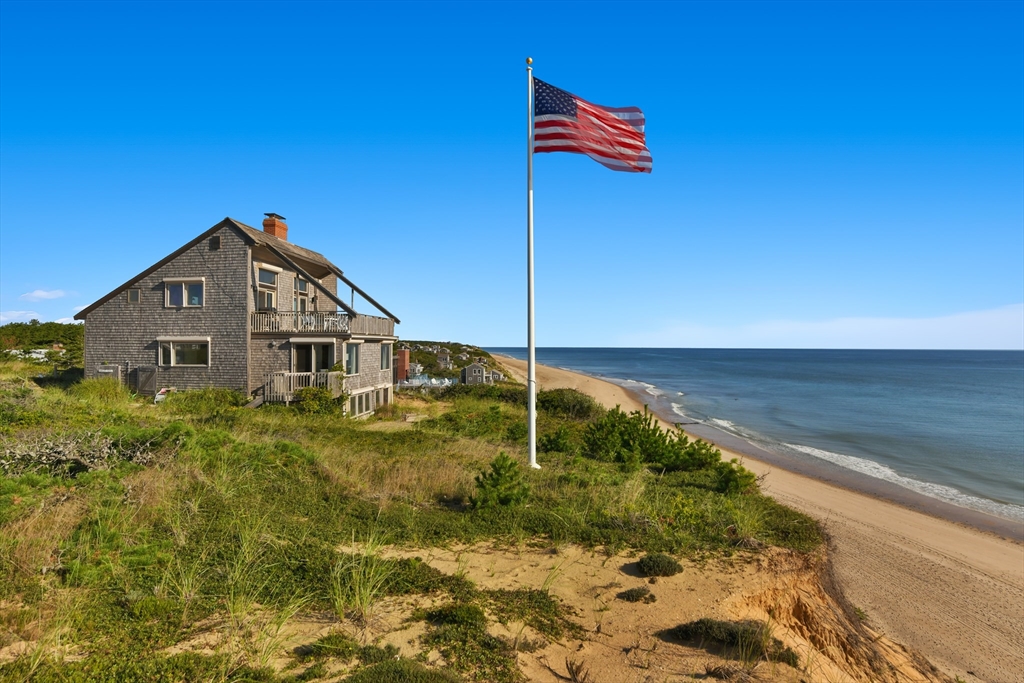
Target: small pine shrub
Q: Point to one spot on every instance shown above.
(559, 441)
(658, 564)
(733, 477)
(315, 401)
(503, 485)
(636, 439)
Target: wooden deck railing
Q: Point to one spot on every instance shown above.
(280, 387)
(371, 324)
(319, 321)
(289, 321)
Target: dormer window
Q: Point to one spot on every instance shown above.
(184, 293)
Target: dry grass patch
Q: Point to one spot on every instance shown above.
(29, 546)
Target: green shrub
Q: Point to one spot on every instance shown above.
(456, 614)
(503, 485)
(734, 477)
(569, 403)
(315, 401)
(517, 432)
(515, 395)
(638, 594)
(562, 440)
(636, 439)
(754, 638)
(658, 564)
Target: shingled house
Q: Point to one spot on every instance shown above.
(244, 309)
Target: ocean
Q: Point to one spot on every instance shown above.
(945, 424)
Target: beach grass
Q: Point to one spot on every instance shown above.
(130, 529)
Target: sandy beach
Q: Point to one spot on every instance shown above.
(950, 591)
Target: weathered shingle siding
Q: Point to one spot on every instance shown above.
(119, 332)
(370, 375)
(264, 359)
(323, 303)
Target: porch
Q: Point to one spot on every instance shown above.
(280, 387)
(321, 321)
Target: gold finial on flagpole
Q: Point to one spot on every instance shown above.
(529, 61)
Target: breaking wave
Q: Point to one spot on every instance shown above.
(939, 491)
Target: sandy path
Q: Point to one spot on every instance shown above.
(950, 592)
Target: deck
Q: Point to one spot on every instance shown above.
(321, 322)
(280, 387)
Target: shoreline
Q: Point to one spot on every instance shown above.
(821, 471)
(925, 575)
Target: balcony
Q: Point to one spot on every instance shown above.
(280, 387)
(321, 322)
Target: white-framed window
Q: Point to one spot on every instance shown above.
(385, 356)
(360, 403)
(184, 292)
(267, 277)
(184, 352)
(266, 298)
(300, 297)
(352, 358)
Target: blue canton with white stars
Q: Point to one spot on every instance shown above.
(547, 99)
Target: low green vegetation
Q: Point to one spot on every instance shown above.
(184, 540)
(638, 594)
(658, 564)
(751, 641)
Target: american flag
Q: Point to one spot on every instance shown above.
(612, 136)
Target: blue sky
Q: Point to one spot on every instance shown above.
(825, 174)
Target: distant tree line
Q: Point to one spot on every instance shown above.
(37, 335)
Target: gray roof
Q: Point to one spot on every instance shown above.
(255, 238)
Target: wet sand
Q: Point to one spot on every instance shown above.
(945, 581)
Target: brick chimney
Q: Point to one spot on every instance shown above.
(275, 225)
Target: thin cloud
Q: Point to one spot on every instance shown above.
(76, 309)
(43, 294)
(15, 316)
(68, 321)
(998, 328)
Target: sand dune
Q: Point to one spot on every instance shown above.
(953, 593)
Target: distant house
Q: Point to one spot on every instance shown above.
(463, 356)
(244, 309)
(474, 373)
(401, 365)
(415, 369)
(444, 360)
(497, 376)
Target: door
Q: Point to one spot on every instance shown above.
(303, 358)
(325, 357)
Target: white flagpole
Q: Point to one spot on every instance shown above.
(531, 362)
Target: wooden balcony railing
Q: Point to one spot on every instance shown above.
(371, 324)
(289, 321)
(313, 321)
(280, 387)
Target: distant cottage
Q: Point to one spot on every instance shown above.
(243, 309)
(474, 373)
